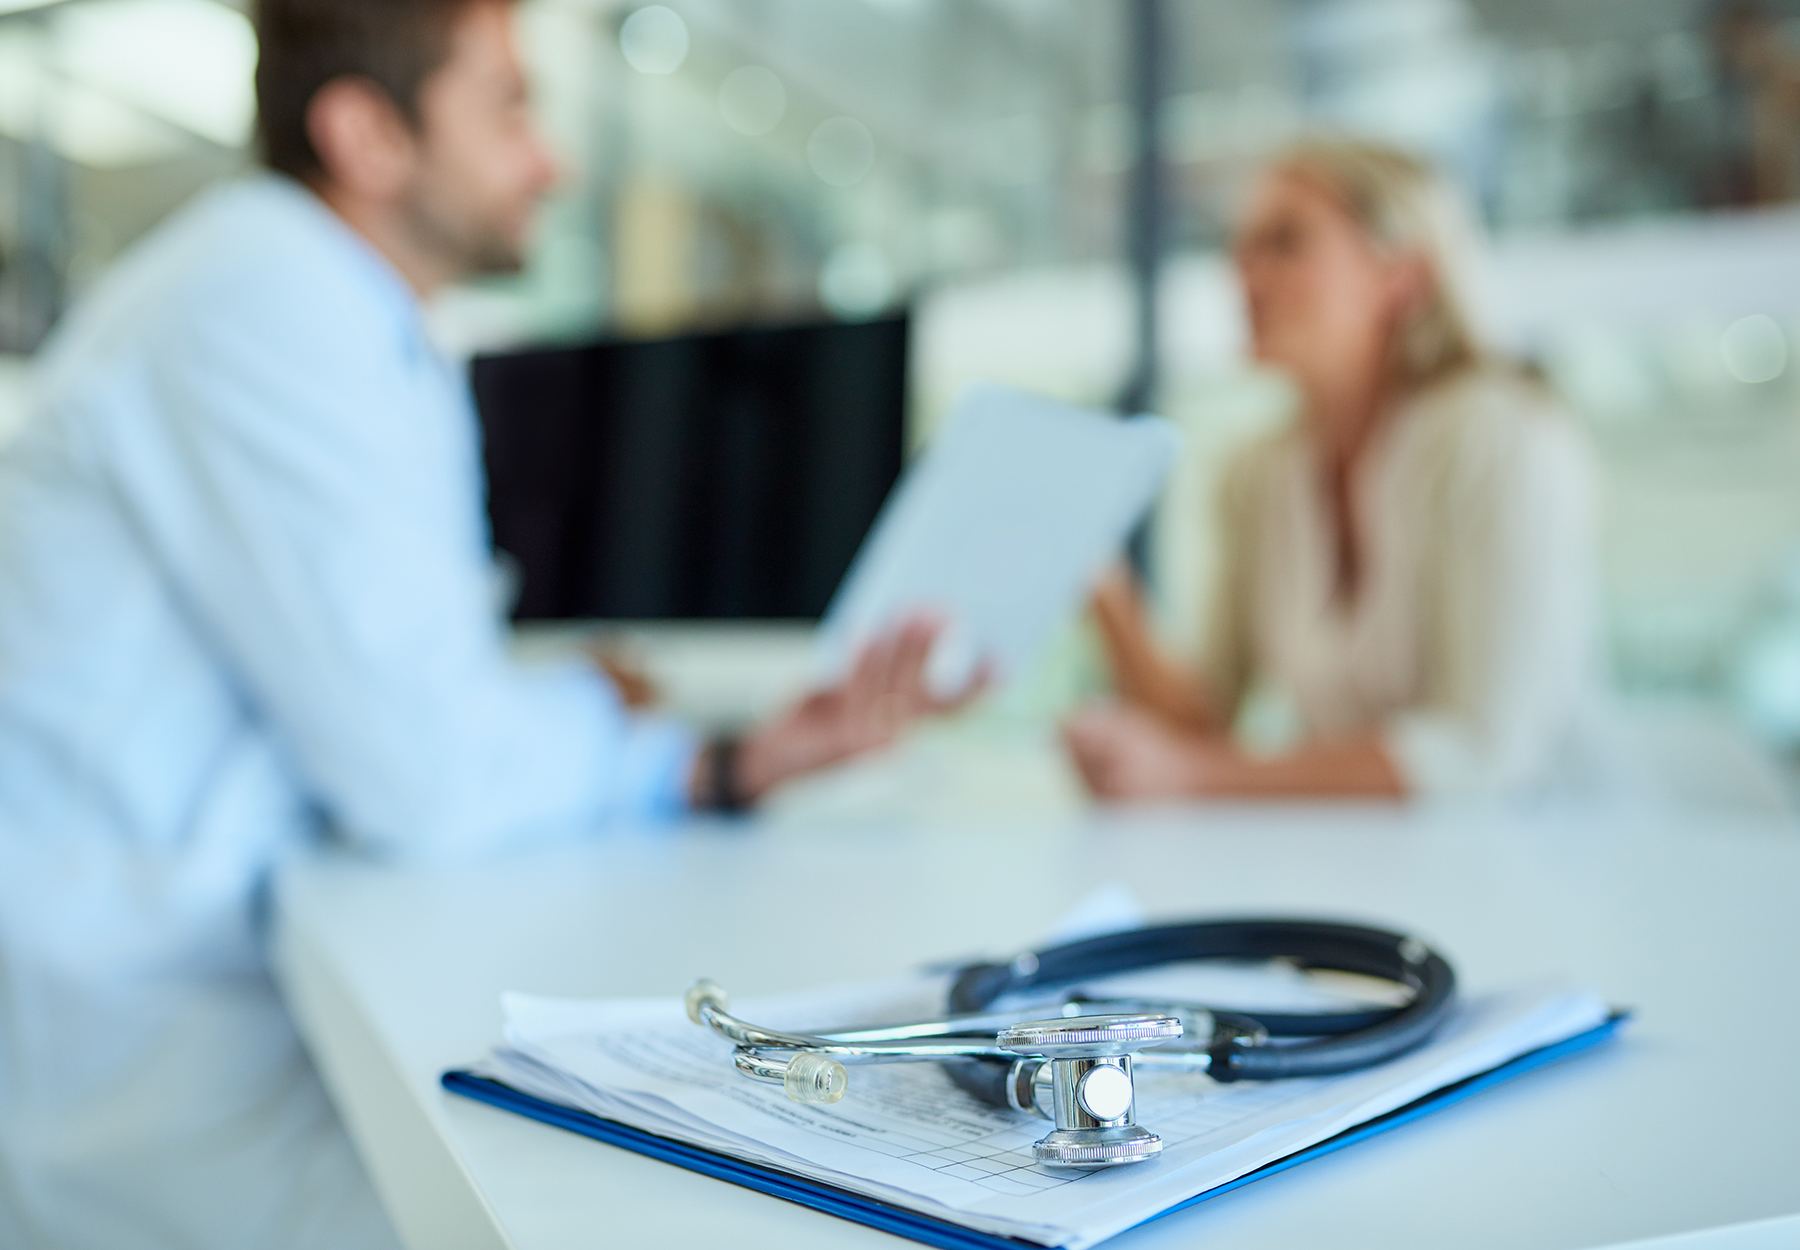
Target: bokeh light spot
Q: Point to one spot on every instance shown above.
(1754, 349)
(654, 40)
(841, 151)
(857, 280)
(752, 100)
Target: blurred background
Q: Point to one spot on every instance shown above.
(735, 163)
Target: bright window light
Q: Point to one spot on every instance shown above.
(21, 83)
(187, 62)
(84, 125)
(95, 130)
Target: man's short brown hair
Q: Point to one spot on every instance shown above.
(305, 44)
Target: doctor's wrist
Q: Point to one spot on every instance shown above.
(716, 783)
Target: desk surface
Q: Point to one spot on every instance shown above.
(1691, 1121)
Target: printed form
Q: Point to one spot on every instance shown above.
(905, 1134)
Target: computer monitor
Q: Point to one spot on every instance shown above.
(722, 476)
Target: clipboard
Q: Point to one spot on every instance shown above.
(945, 1234)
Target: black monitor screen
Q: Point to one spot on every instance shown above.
(712, 476)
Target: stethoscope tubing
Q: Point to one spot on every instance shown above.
(1337, 1042)
(1226, 1045)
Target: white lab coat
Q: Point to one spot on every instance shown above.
(244, 601)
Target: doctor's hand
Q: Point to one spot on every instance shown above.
(1124, 753)
(884, 693)
(634, 686)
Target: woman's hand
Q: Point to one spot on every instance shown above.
(1124, 753)
(1116, 600)
(1142, 675)
(884, 693)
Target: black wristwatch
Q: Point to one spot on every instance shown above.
(723, 790)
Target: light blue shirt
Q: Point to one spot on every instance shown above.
(245, 597)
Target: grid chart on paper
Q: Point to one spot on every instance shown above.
(1002, 1160)
(976, 1145)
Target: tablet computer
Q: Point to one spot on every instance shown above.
(1000, 528)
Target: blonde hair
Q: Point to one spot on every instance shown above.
(1405, 206)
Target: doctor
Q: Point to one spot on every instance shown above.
(244, 600)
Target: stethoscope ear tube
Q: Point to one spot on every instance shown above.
(1075, 1068)
(1337, 1042)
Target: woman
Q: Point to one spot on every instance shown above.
(1410, 567)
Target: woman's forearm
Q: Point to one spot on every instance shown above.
(1142, 674)
(1350, 768)
(1129, 754)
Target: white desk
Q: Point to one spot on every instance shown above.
(1691, 1121)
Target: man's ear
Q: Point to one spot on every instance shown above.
(363, 143)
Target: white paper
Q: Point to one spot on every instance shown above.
(1000, 528)
(904, 1134)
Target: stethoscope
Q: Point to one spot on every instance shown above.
(1075, 1067)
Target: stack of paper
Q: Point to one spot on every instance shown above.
(905, 1136)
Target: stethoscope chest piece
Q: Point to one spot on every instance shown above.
(1086, 1063)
